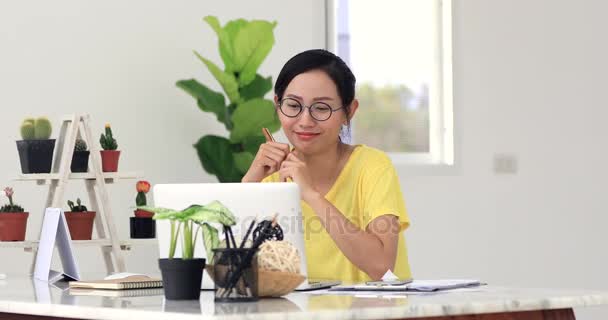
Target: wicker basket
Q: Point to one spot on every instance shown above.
(272, 283)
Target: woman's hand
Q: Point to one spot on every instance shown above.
(267, 161)
(296, 170)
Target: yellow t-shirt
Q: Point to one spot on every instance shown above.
(367, 187)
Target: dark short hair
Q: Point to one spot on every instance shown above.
(319, 59)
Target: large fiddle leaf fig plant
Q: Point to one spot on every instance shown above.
(242, 108)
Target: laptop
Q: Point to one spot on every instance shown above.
(246, 201)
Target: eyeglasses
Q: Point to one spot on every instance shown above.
(319, 111)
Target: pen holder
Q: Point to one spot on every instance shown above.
(236, 279)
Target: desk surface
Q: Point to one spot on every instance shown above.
(25, 296)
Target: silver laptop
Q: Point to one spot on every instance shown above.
(246, 201)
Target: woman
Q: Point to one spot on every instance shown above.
(352, 203)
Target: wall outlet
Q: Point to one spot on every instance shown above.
(505, 163)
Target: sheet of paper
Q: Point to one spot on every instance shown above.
(55, 232)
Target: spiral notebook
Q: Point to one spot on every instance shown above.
(117, 293)
(129, 282)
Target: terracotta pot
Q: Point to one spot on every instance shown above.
(109, 160)
(143, 213)
(80, 224)
(13, 225)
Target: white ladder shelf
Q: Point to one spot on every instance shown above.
(73, 127)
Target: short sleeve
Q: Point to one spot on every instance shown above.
(381, 193)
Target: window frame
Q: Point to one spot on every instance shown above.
(440, 157)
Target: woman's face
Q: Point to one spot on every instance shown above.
(307, 134)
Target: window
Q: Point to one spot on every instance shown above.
(400, 52)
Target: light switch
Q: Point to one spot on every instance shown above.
(505, 163)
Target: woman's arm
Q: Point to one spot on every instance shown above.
(373, 250)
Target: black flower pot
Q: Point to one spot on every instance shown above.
(36, 156)
(142, 228)
(80, 161)
(182, 278)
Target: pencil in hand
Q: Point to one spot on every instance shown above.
(268, 136)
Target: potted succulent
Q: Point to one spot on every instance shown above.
(109, 154)
(80, 221)
(80, 158)
(142, 225)
(182, 276)
(36, 149)
(13, 219)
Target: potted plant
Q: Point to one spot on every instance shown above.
(109, 154)
(247, 111)
(80, 158)
(13, 219)
(36, 149)
(80, 221)
(142, 225)
(182, 276)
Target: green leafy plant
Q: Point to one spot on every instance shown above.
(190, 221)
(80, 145)
(107, 140)
(243, 46)
(79, 207)
(10, 207)
(36, 129)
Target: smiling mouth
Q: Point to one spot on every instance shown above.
(306, 135)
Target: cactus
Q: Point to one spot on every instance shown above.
(43, 128)
(80, 145)
(27, 129)
(39, 129)
(78, 207)
(10, 207)
(142, 188)
(107, 140)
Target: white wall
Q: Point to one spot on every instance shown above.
(119, 62)
(529, 80)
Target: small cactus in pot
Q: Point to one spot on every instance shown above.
(142, 225)
(80, 158)
(36, 149)
(109, 155)
(13, 219)
(80, 220)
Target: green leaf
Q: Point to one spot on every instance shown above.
(251, 45)
(252, 144)
(251, 116)
(211, 240)
(243, 161)
(160, 213)
(257, 88)
(224, 41)
(226, 80)
(216, 157)
(212, 212)
(232, 28)
(207, 99)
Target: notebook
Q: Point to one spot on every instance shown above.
(117, 293)
(129, 282)
(416, 285)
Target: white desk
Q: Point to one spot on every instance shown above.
(19, 299)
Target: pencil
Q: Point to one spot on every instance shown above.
(268, 136)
